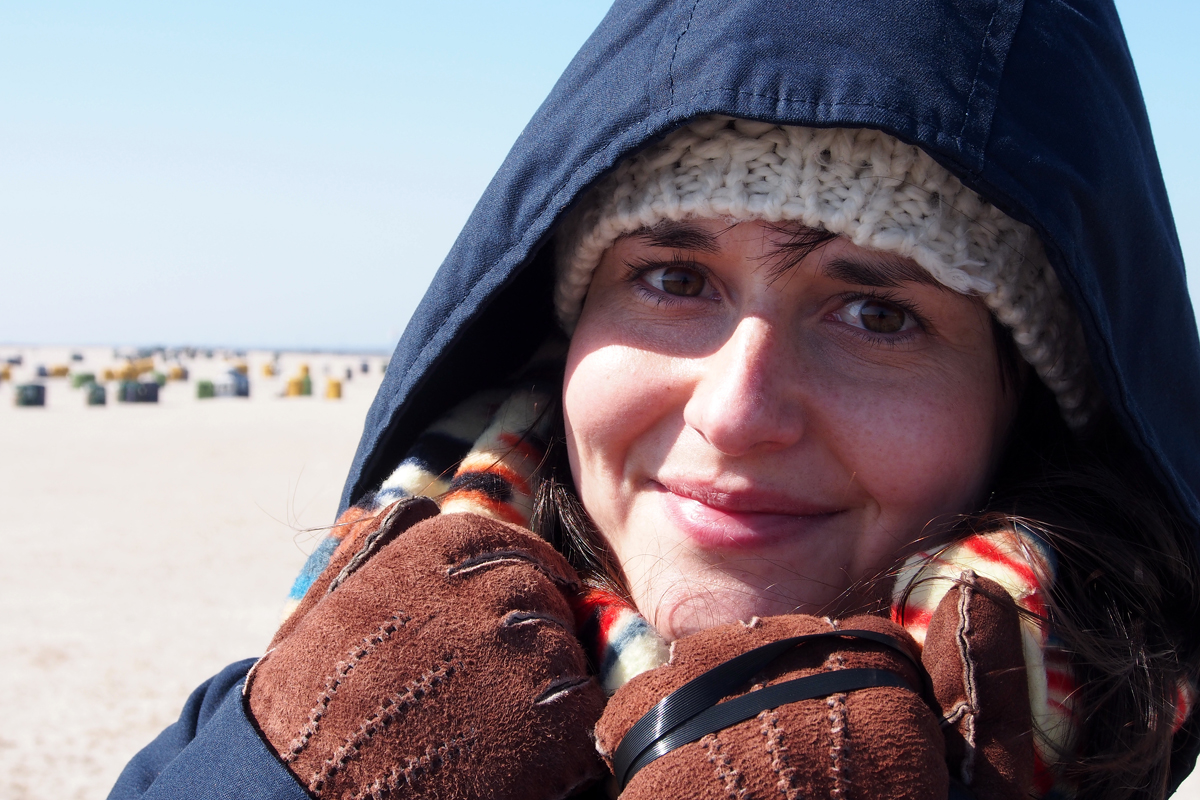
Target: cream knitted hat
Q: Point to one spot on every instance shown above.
(863, 184)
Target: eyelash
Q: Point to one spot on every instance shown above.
(907, 306)
(636, 270)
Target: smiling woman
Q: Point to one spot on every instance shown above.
(856, 477)
(736, 470)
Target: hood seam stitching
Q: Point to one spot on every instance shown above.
(967, 113)
(675, 51)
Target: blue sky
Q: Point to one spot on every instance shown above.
(291, 175)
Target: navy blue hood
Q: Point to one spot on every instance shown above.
(1034, 104)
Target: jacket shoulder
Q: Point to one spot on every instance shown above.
(212, 751)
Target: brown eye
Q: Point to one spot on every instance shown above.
(679, 281)
(877, 316)
(882, 317)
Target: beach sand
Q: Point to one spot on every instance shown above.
(145, 546)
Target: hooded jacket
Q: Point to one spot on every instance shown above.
(1034, 104)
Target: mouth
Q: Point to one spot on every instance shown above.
(740, 520)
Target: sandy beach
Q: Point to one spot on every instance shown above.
(146, 545)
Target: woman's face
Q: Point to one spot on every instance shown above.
(752, 436)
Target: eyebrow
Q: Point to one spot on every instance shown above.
(876, 269)
(881, 270)
(679, 236)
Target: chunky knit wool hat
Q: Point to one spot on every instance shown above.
(863, 184)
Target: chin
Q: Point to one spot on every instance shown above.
(690, 608)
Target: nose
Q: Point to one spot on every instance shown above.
(744, 397)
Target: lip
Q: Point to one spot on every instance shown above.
(739, 520)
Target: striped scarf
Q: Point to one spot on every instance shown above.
(483, 457)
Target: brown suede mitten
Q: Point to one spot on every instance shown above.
(437, 660)
(877, 743)
(973, 654)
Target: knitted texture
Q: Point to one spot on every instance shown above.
(863, 184)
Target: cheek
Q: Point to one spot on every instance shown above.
(929, 451)
(614, 398)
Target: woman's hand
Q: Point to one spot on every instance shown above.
(436, 660)
(974, 655)
(879, 743)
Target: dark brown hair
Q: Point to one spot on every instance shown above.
(1126, 596)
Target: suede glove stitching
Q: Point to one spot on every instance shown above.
(879, 742)
(970, 687)
(482, 693)
(515, 619)
(560, 688)
(418, 508)
(837, 744)
(722, 769)
(837, 725)
(389, 708)
(780, 755)
(416, 768)
(370, 643)
(497, 557)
